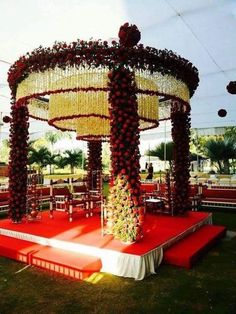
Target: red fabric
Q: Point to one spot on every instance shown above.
(4, 196)
(2, 203)
(80, 188)
(44, 191)
(222, 200)
(148, 187)
(217, 193)
(61, 191)
(158, 229)
(187, 251)
(193, 190)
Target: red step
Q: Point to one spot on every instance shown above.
(17, 249)
(75, 265)
(187, 251)
(71, 264)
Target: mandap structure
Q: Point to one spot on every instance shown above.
(104, 92)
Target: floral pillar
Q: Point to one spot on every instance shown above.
(94, 164)
(180, 119)
(125, 214)
(18, 161)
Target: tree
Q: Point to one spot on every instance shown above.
(51, 160)
(73, 159)
(164, 151)
(52, 137)
(220, 152)
(230, 132)
(4, 151)
(39, 157)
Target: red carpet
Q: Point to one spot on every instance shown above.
(186, 252)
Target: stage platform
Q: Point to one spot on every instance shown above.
(55, 240)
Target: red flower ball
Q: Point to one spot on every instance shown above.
(222, 113)
(6, 119)
(129, 35)
(231, 87)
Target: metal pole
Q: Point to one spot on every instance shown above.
(165, 145)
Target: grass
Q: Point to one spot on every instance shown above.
(207, 288)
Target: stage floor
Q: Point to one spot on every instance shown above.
(84, 235)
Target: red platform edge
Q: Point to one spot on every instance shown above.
(189, 250)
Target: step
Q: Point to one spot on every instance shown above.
(71, 264)
(19, 250)
(187, 251)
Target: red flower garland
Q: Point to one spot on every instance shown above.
(180, 119)
(94, 165)
(98, 53)
(18, 162)
(124, 206)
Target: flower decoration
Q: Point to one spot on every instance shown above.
(180, 119)
(125, 156)
(94, 164)
(98, 54)
(129, 35)
(222, 113)
(6, 119)
(18, 162)
(231, 87)
(124, 215)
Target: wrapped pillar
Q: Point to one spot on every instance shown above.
(94, 165)
(180, 120)
(18, 161)
(125, 214)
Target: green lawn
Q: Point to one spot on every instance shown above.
(208, 288)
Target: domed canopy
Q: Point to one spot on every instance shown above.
(74, 79)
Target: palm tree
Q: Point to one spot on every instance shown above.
(52, 137)
(39, 157)
(164, 151)
(51, 160)
(73, 159)
(220, 152)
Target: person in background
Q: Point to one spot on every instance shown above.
(150, 172)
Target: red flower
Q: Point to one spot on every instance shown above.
(129, 35)
(6, 119)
